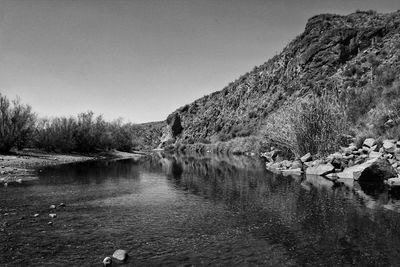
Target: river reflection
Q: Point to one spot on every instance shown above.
(196, 210)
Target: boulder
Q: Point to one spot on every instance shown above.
(393, 182)
(373, 170)
(389, 146)
(120, 255)
(306, 158)
(369, 142)
(320, 169)
(52, 215)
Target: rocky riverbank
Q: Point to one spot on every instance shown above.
(372, 162)
(23, 165)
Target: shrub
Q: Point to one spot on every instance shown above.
(318, 124)
(313, 124)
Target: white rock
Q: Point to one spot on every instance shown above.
(52, 215)
(306, 158)
(374, 154)
(369, 142)
(107, 261)
(320, 169)
(394, 181)
(389, 146)
(120, 255)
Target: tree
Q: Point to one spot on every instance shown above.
(16, 123)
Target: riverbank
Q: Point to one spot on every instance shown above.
(23, 165)
(372, 161)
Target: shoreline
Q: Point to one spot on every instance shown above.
(23, 165)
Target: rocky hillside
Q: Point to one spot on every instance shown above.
(354, 57)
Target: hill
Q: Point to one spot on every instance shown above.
(354, 58)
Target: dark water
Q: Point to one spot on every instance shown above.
(183, 211)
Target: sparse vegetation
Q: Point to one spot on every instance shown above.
(85, 133)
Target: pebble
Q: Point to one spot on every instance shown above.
(107, 261)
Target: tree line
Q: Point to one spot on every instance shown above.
(20, 127)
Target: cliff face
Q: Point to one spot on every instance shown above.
(341, 55)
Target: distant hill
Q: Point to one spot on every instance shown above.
(354, 57)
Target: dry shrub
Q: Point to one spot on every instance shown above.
(313, 124)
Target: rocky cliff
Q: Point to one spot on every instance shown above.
(355, 57)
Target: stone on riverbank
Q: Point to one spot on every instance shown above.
(373, 170)
(307, 157)
(369, 142)
(389, 146)
(374, 154)
(320, 169)
(394, 182)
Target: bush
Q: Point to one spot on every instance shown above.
(314, 124)
(318, 124)
(16, 123)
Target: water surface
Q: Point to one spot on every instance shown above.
(181, 210)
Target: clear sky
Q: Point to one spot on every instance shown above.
(142, 59)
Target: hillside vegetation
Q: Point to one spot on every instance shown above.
(351, 63)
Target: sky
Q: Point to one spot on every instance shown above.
(143, 59)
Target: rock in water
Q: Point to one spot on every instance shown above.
(120, 255)
(394, 182)
(107, 261)
(320, 169)
(373, 170)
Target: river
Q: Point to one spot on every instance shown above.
(195, 211)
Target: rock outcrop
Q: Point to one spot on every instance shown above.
(339, 54)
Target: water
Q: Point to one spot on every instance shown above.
(183, 211)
